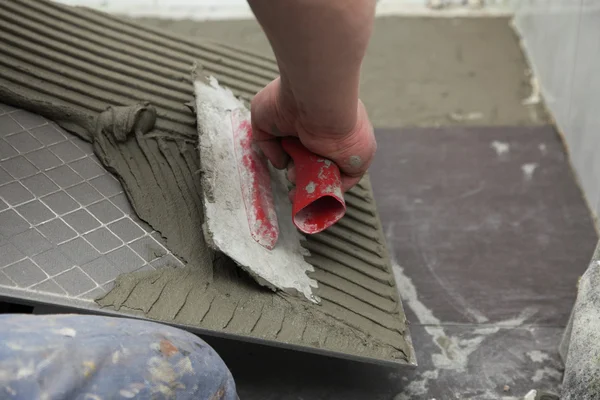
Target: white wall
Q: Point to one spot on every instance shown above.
(238, 9)
(562, 41)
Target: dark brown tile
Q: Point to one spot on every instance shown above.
(484, 221)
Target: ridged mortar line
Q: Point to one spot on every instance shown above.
(348, 236)
(335, 243)
(103, 25)
(375, 286)
(336, 256)
(355, 290)
(102, 88)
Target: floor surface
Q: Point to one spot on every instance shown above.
(420, 71)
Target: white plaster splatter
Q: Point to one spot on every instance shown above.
(537, 356)
(501, 148)
(546, 371)
(26, 371)
(127, 394)
(70, 332)
(543, 148)
(418, 387)
(310, 188)
(461, 117)
(534, 97)
(454, 351)
(528, 170)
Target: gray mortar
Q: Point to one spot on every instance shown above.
(71, 64)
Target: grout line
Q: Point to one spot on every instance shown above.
(8, 277)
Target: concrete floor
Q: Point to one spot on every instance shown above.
(421, 71)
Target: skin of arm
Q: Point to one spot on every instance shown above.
(319, 46)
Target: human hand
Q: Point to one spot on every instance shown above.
(276, 113)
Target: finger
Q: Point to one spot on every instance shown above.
(292, 194)
(349, 181)
(274, 152)
(291, 172)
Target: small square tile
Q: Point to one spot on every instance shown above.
(108, 286)
(103, 240)
(39, 184)
(81, 220)
(5, 280)
(120, 200)
(53, 261)
(107, 184)
(79, 251)
(125, 259)
(27, 119)
(48, 134)
(148, 248)
(126, 230)
(19, 167)
(102, 270)
(105, 211)
(14, 193)
(31, 242)
(6, 150)
(25, 273)
(60, 202)
(12, 223)
(3, 205)
(9, 254)
(43, 159)
(86, 147)
(67, 151)
(146, 268)
(8, 126)
(64, 176)
(167, 261)
(23, 142)
(49, 286)
(84, 193)
(35, 212)
(56, 231)
(93, 294)
(7, 108)
(5, 177)
(87, 168)
(75, 282)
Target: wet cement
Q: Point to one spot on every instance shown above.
(420, 71)
(124, 88)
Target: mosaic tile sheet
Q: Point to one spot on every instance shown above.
(66, 226)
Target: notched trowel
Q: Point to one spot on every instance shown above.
(248, 215)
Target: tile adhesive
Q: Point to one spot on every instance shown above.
(124, 87)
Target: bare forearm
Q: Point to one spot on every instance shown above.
(319, 45)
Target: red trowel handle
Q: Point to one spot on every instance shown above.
(318, 202)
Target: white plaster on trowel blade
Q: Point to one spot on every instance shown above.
(543, 148)
(528, 170)
(282, 268)
(501, 148)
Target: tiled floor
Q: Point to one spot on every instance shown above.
(66, 226)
